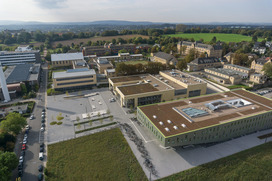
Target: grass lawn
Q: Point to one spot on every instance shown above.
(219, 36)
(251, 164)
(133, 62)
(101, 156)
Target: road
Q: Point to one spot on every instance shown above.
(31, 162)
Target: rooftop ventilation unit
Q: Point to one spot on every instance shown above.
(190, 102)
(148, 80)
(161, 123)
(161, 78)
(253, 108)
(166, 81)
(183, 125)
(175, 127)
(154, 116)
(167, 129)
(225, 95)
(155, 85)
(169, 121)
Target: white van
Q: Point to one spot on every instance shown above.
(41, 155)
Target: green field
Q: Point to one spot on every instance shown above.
(101, 156)
(251, 164)
(219, 36)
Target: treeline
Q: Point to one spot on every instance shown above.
(129, 69)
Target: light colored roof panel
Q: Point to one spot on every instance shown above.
(73, 74)
(66, 56)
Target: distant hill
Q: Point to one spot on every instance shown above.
(104, 22)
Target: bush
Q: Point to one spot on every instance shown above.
(59, 118)
(53, 123)
(59, 123)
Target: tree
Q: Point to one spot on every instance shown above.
(111, 118)
(240, 59)
(182, 65)
(13, 124)
(8, 162)
(48, 56)
(213, 40)
(98, 114)
(254, 38)
(183, 49)
(113, 41)
(191, 55)
(101, 120)
(267, 68)
(77, 119)
(23, 89)
(122, 51)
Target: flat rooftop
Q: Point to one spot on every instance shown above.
(74, 73)
(183, 77)
(200, 112)
(67, 56)
(228, 72)
(125, 79)
(137, 89)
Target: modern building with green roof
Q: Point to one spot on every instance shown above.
(207, 119)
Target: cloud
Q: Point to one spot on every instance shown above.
(51, 4)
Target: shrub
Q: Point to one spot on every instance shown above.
(53, 123)
(59, 123)
(59, 118)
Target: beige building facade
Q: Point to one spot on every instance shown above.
(74, 78)
(210, 50)
(133, 91)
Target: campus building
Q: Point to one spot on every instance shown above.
(164, 58)
(207, 62)
(133, 91)
(19, 57)
(258, 64)
(207, 119)
(74, 78)
(108, 48)
(210, 50)
(66, 59)
(258, 78)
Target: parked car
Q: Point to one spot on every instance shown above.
(22, 153)
(27, 127)
(40, 177)
(41, 155)
(26, 131)
(112, 100)
(40, 168)
(31, 117)
(42, 125)
(42, 145)
(43, 110)
(43, 120)
(20, 173)
(41, 149)
(23, 146)
(24, 141)
(20, 166)
(42, 129)
(21, 159)
(25, 136)
(42, 116)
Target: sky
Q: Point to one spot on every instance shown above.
(171, 11)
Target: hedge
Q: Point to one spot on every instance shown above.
(105, 125)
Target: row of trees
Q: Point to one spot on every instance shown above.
(9, 129)
(129, 69)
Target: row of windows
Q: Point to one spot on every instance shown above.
(61, 62)
(77, 82)
(73, 78)
(223, 132)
